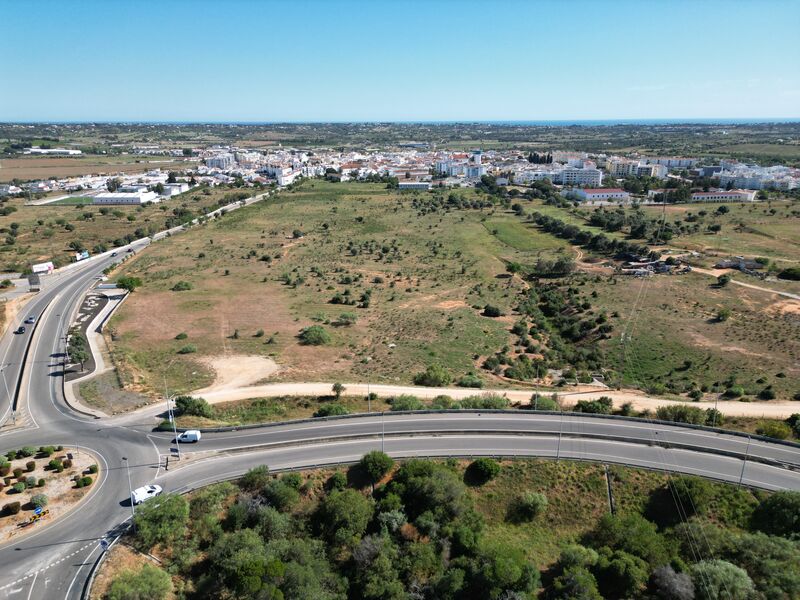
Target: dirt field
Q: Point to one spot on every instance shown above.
(48, 167)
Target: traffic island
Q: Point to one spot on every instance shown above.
(40, 485)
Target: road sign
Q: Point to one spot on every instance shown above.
(38, 510)
(104, 544)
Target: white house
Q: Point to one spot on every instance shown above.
(598, 194)
(134, 198)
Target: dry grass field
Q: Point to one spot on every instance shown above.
(45, 232)
(422, 273)
(50, 167)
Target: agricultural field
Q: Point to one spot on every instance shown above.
(31, 168)
(392, 280)
(32, 234)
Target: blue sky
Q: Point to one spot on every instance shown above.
(329, 60)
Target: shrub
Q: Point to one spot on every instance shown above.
(30, 466)
(197, 407)
(26, 451)
(255, 478)
(47, 450)
(182, 286)
(19, 487)
(601, 406)
(539, 402)
(187, 349)
(681, 413)
(470, 380)
(376, 464)
(337, 481)
(17, 472)
(259, 333)
(182, 336)
(54, 463)
(293, 480)
(529, 506)
(774, 429)
(315, 335)
(435, 376)
(148, 582)
(83, 481)
(12, 508)
(715, 579)
(723, 314)
(280, 495)
(406, 402)
(66, 463)
(11, 454)
(93, 469)
(40, 483)
(30, 482)
(492, 311)
(330, 410)
(39, 500)
(484, 469)
(779, 514)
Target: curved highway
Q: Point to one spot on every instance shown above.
(55, 561)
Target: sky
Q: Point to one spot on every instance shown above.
(386, 60)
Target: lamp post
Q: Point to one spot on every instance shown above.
(172, 416)
(8, 395)
(130, 489)
(744, 463)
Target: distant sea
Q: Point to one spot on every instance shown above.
(539, 123)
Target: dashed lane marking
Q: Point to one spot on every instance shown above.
(52, 564)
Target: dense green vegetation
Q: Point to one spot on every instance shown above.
(429, 529)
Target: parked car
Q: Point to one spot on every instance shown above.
(20, 330)
(188, 436)
(141, 494)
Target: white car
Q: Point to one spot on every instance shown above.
(188, 436)
(141, 494)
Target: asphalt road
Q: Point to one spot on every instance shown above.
(55, 561)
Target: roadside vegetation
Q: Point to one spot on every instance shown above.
(459, 529)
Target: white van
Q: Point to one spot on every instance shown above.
(191, 435)
(141, 494)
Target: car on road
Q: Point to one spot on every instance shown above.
(30, 320)
(189, 436)
(146, 492)
(113, 254)
(20, 330)
(129, 250)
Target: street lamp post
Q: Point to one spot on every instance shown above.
(744, 463)
(560, 428)
(383, 431)
(130, 489)
(174, 426)
(8, 395)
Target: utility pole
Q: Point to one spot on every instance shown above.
(560, 428)
(130, 490)
(172, 418)
(744, 463)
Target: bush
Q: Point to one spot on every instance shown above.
(716, 579)
(255, 478)
(182, 286)
(434, 376)
(66, 463)
(337, 481)
(187, 349)
(293, 480)
(17, 472)
(48, 451)
(529, 506)
(26, 451)
(774, 429)
(40, 483)
(681, 413)
(12, 508)
(601, 406)
(182, 336)
(484, 469)
(492, 311)
(539, 402)
(196, 407)
(376, 464)
(54, 464)
(779, 514)
(280, 495)
(330, 410)
(406, 402)
(470, 380)
(149, 582)
(315, 335)
(83, 482)
(93, 469)
(39, 500)
(19, 487)
(30, 466)
(30, 482)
